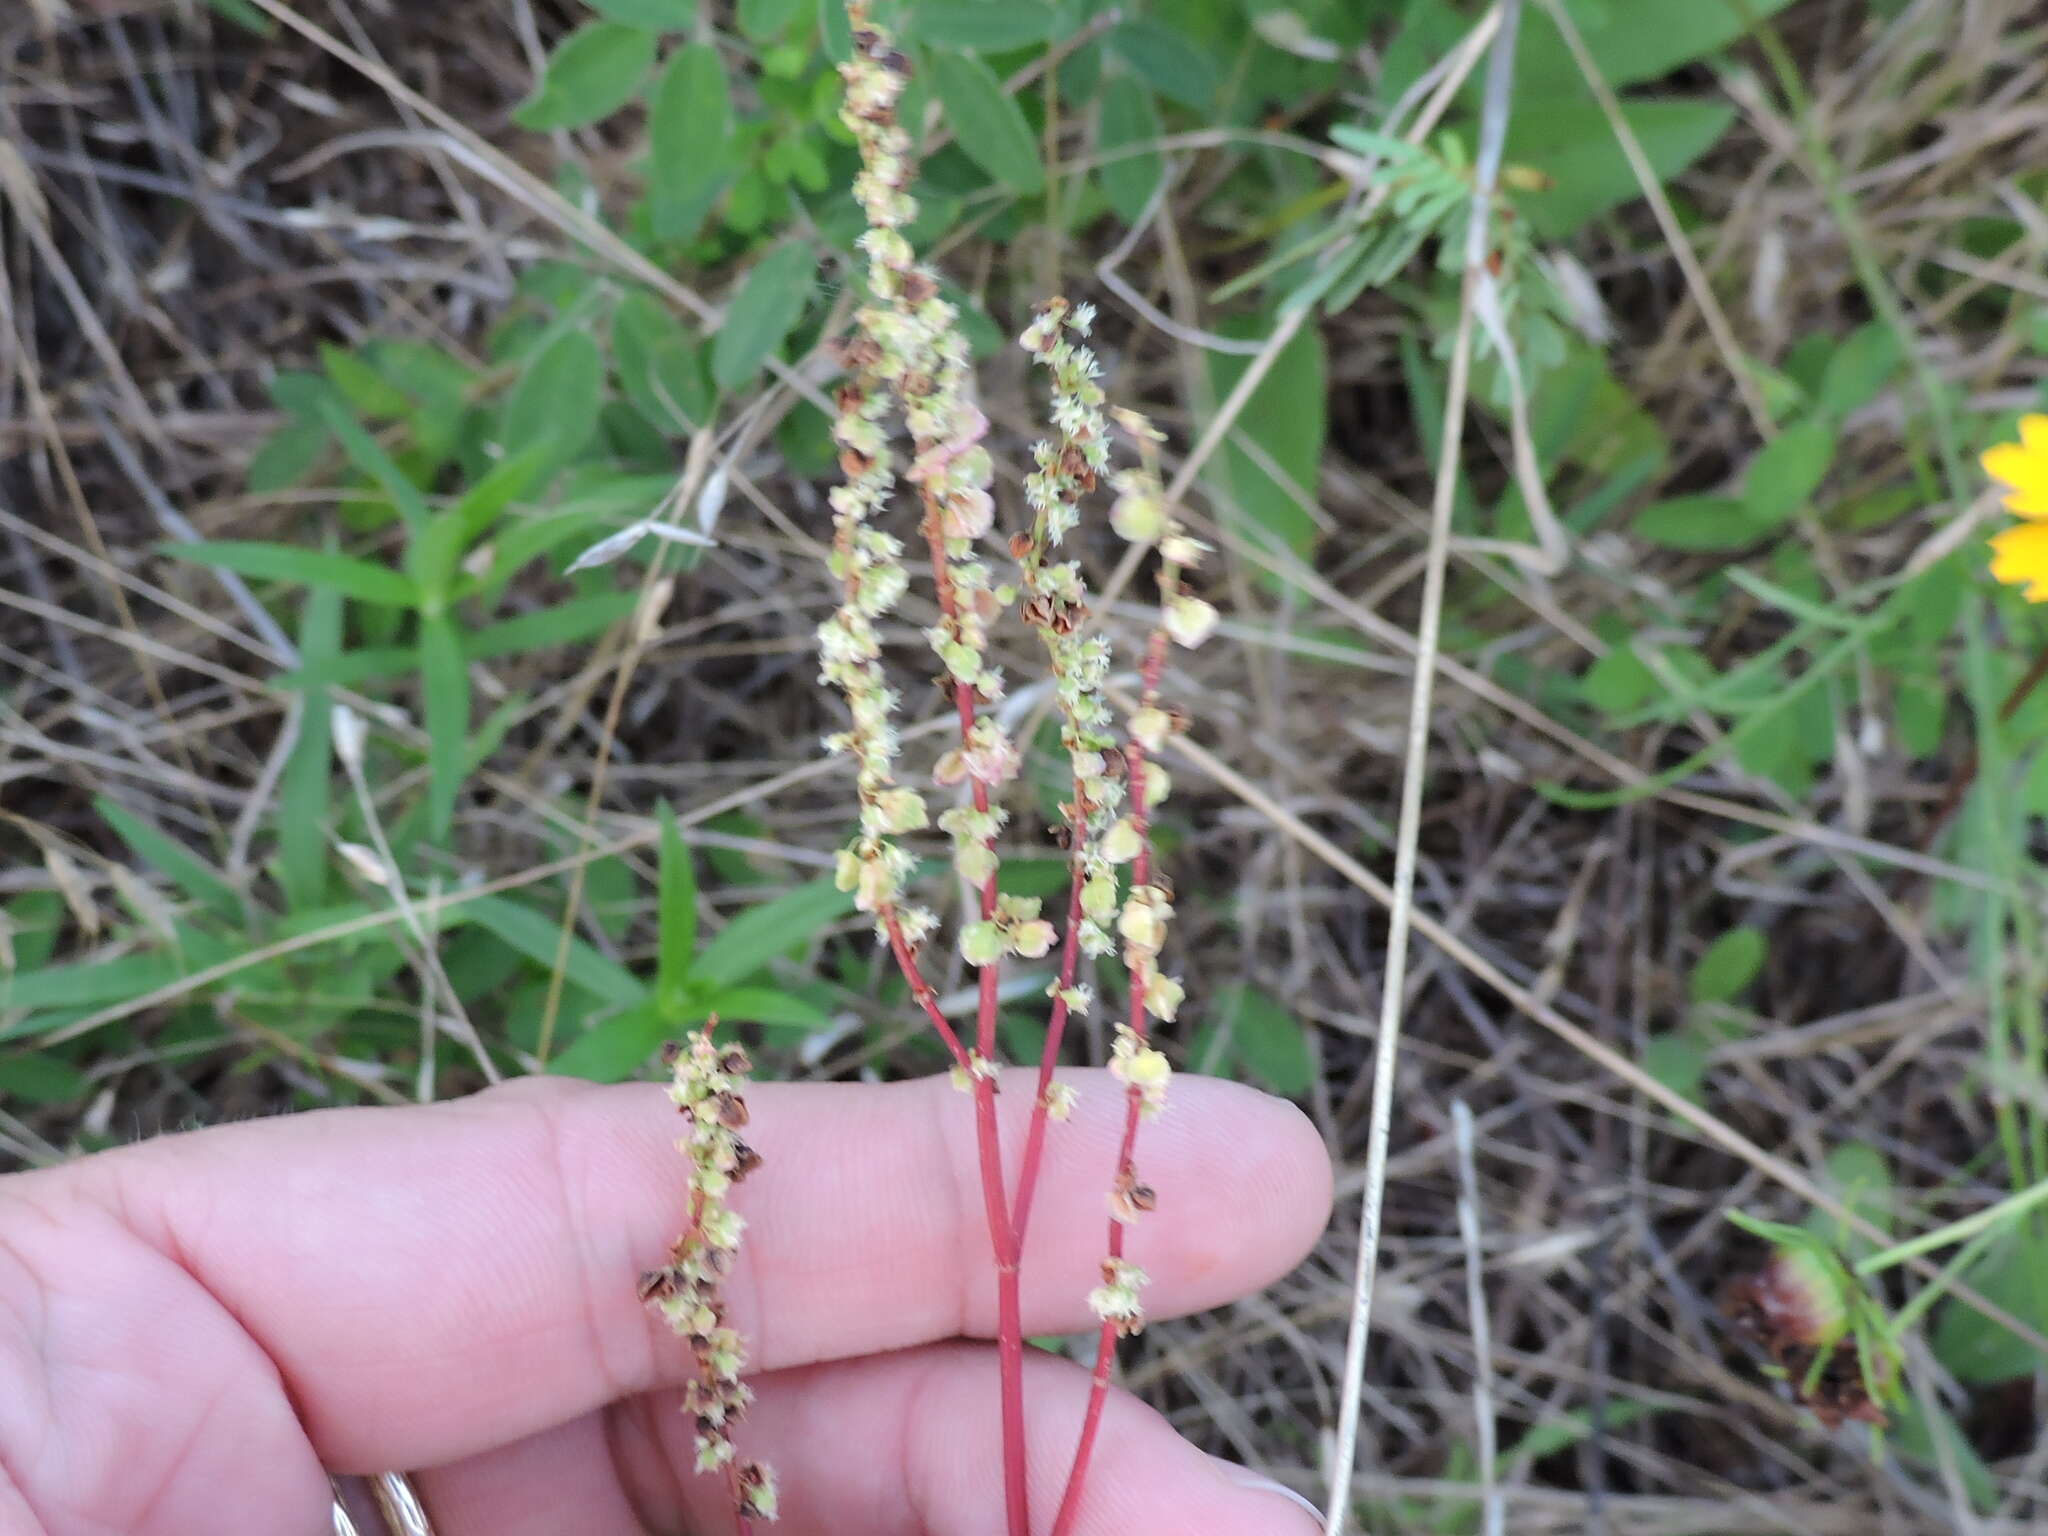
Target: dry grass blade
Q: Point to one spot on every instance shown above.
(1415, 768)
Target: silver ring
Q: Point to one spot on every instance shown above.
(396, 1500)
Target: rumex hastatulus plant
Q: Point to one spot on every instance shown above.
(907, 359)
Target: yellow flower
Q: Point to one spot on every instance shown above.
(2020, 555)
(2024, 467)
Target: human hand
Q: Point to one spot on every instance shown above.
(195, 1330)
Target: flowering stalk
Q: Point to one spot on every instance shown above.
(707, 1084)
(1141, 514)
(907, 353)
(1055, 605)
(910, 344)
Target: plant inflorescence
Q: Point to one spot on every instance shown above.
(707, 1084)
(907, 363)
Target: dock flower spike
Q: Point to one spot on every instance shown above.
(2020, 554)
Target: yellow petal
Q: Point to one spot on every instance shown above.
(2034, 434)
(2020, 468)
(2020, 559)
(2027, 504)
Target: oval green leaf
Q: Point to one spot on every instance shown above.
(989, 126)
(1167, 61)
(595, 71)
(1128, 119)
(689, 125)
(653, 15)
(983, 26)
(766, 309)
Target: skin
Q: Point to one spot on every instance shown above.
(194, 1328)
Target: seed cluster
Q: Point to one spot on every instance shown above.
(707, 1084)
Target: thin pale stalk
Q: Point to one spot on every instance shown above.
(1414, 772)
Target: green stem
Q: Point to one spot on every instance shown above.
(1956, 1231)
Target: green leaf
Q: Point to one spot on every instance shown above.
(766, 309)
(988, 124)
(434, 558)
(199, 880)
(1631, 40)
(1167, 61)
(361, 385)
(1128, 118)
(676, 912)
(654, 15)
(444, 690)
(286, 457)
(661, 369)
(368, 456)
(1571, 143)
(36, 1077)
(1618, 682)
(351, 577)
(1678, 1060)
(1859, 366)
(596, 70)
(1568, 1429)
(1267, 1039)
(765, 20)
(689, 124)
(558, 398)
(563, 624)
(243, 14)
(1916, 1440)
(759, 934)
(982, 26)
(1732, 962)
(537, 936)
(1700, 524)
(764, 1006)
(615, 1048)
(1784, 476)
(1285, 419)
(2013, 1275)
(86, 983)
(1859, 1176)
(305, 790)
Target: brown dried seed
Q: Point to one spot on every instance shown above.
(657, 1284)
(731, 1110)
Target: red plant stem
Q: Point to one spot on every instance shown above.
(1001, 1230)
(743, 1523)
(921, 990)
(1009, 1307)
(1141, 874)
(1055, 1029)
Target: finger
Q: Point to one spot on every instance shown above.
(896, 1445)
(433, 1281)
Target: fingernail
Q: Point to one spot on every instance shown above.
(1245, 1477)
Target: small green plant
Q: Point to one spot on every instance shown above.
(1826, 1335)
